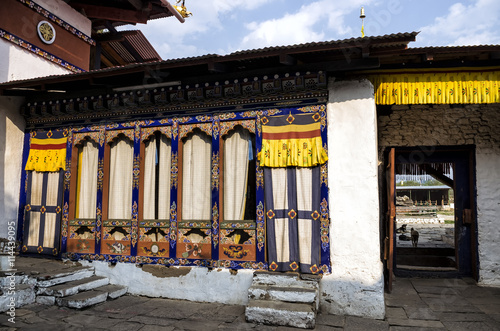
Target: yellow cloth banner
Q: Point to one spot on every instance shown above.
(292, 140)
(47, 155)
(292, 152)
(463, 87)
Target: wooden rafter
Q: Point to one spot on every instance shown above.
(112, 14)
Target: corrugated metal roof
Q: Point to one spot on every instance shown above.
(399, 41)
(360, 41)
(137, 39)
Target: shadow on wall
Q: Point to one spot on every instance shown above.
(11, 147)
(5, 56)
(351, 90)
(3, 142)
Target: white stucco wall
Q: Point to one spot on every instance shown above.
(478, 125)
(18, 63)
(356, 285)
(11, 146)
(488, 211)
(193, 284)
(22, 64)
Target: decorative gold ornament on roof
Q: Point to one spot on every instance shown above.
(182, 9)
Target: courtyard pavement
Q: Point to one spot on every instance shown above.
(414, 304)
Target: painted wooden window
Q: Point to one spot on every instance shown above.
(117, 193)
(154, 199)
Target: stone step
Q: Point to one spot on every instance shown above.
(83, 299)
(297, 315)
(114, 291)
(284, 280)
(7, 278)
(55, 278)
(285, 294)
(23, 294)
(73, 287)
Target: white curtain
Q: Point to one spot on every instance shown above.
(36, 188)
(196, 189)
(236, 174)
(304, 202)
(50, 200)
(163, 157)
(120, 179)
(88, 156)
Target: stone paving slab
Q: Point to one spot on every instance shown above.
(467, 326)
(470, 307)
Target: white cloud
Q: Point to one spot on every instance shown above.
(473, 24)
(312, 22)
(173, 39)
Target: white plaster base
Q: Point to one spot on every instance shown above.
(356, 285)
(199, 284)
(488, 209)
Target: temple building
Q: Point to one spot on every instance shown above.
(280, 159)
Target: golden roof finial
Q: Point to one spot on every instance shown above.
(362, 16)
(182, 9)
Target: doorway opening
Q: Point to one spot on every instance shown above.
(425, 217)
(432, 190)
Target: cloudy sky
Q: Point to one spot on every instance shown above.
(225, 26)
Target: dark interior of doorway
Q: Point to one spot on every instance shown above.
(425, 218)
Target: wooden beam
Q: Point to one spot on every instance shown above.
(107, 37)
(287, 60)
(112, 14)
(440, 176)
(217, 67)
(136, 3)
(109, 50)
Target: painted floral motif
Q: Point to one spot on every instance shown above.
(203, 118)
(154, 250)
(215, 224)
(235, 252)
(261, 236)
(174, 171)
(134, 233)
(324, 174)
(227, 238)
(227, 126)
(112, 134)
(79, 137)
(192, 250)
(100, 174)
(65, 216)
(98, 222)
(227, 116)
(185, 129)
(325, 225)
(215, 171)
(173, 224)
(136, 171)
(147, 132)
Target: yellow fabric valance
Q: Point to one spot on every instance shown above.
(463, 87)
(47, 155)
(292, 140)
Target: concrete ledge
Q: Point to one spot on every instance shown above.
(279, 313)
(73, 287)
(82, 299)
